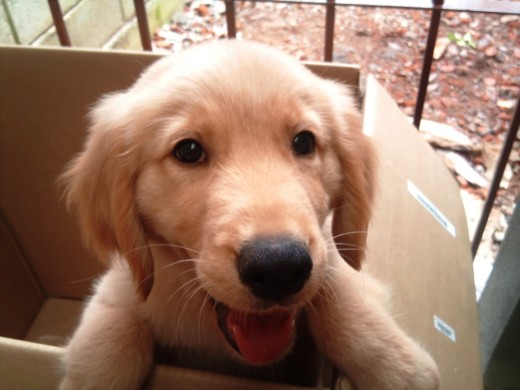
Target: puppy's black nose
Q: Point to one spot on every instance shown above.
(274, 267)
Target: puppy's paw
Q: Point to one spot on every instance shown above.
(426, 375)
(412, 369)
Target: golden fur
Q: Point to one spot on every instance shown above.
(170, 231)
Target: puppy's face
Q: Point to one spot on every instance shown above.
(237, 154)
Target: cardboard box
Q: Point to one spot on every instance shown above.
(418, 241)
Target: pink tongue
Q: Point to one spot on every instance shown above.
(261, 338)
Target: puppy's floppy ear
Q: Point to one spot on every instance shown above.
(98, 186)
(353, 203)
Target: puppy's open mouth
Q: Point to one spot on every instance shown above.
(260, 338)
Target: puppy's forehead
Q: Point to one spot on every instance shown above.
(229, 73)
(241, 60)
(231, 87)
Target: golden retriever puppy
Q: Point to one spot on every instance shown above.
(205, 189)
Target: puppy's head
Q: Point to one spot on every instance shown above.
(237, 153)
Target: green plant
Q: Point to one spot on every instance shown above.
(465, 40)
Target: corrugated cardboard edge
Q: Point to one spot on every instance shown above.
(27, 365)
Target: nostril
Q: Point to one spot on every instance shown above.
(274, 267)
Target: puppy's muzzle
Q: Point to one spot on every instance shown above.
(274, 267)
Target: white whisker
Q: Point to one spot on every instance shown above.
(347, 234)
(168, 266)
(165, 245)
(201, 315)
(187, 302)
(184, 285)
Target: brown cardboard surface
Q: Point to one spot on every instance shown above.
(55, 322)
(162, 377)
(429, 269)
(36, 366)
(44, 97)
(25, 365)
(43, 105)
(20, 295)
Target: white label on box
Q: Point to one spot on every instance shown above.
(428, 205)
(444, 328)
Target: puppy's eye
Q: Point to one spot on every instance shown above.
(304, 143)
(189, 151)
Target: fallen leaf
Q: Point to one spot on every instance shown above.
(464, 18)
(490, 155)
(463, 168)
(506, 104)
(450, 15)
(447, 68)
(446, 136)
(163, 44)
(491, 51)
(440, 47)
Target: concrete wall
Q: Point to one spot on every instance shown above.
(499, 313)
(90, 23)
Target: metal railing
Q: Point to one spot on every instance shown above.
(436, 7)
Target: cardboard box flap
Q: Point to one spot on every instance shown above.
(162, 378)
(345, 74)
(36, 366)
(17, 285)
(45, 96)
(418, 243)
(25, 365)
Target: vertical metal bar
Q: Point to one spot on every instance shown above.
(428, 59)
(231, 19)
(497, 178)
(142, 21)
(330, 16)
(59, 23)
(10, 22)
